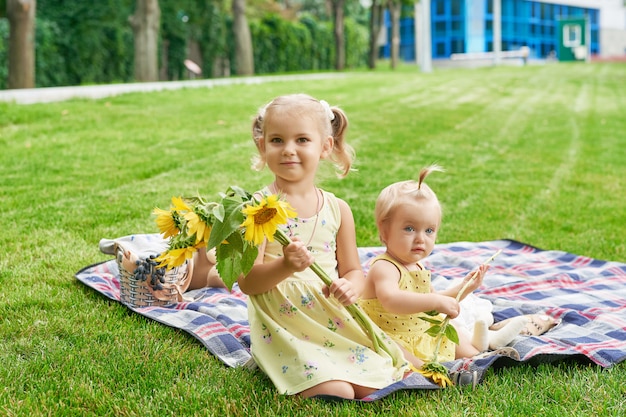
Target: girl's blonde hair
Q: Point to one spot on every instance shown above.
(402, 192)
(333, 122)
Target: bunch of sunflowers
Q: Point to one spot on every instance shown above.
(195, 223)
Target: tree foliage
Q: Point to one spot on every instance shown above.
(80, 42)
(93, 40)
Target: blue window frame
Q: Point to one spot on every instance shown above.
(448, 27)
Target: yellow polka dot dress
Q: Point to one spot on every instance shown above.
(408, 329)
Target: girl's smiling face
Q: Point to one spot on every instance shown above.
(293, 144)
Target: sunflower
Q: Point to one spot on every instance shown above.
(437, 373)
(195, 225)
(166, 222)
(175, 257)
(180, 204)
(262, 219)
(169, 221)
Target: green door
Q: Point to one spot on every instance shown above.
(573, 39)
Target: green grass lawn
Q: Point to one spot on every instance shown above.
(535, 154)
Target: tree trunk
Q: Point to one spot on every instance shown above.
(194, 53)
(375, 25)
(21, 15)
(165, 63)
(244, 58)
(146, 23)
(340, 43)
(395, 7)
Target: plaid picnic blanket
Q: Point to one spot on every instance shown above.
(587, 295)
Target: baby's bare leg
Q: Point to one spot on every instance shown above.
(415, 361)
(465, 349)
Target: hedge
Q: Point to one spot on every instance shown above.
(80, 43)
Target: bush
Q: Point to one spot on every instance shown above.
(322, 45)
(93, 42)
(308, 45)
(50, 67)
(357, 44)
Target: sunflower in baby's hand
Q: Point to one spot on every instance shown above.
(442, 328)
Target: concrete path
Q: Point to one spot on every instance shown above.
(47, 95)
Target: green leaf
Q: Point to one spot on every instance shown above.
(432, 321)
(248, 257)
(226, 265)
(435, 367)
(218, 212)
(433, 331)
(235, 258)
(238, 191)
(233, 217)
(452, 334)
(431, 313)
(247, 250)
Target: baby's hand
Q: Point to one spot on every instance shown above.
(297, 257)
(342, 290)
(478, 280)
(447, 305)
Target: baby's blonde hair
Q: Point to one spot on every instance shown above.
(333, 122)
(398, 193)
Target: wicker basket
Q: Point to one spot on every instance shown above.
(135, 293)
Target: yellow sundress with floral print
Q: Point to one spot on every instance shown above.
(300, 338)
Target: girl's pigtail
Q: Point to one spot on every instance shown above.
(257, 128)
(258, 163)
(343, 154)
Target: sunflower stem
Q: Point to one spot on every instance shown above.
(356, 313)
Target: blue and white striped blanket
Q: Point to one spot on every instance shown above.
(587, 295)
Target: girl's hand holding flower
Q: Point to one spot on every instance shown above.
(343, 291)
(297, 256)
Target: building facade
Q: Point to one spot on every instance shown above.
(467, 26)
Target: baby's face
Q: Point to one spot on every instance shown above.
(411, 232)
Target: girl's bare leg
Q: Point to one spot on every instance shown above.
(341, 389)
(204, 271)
